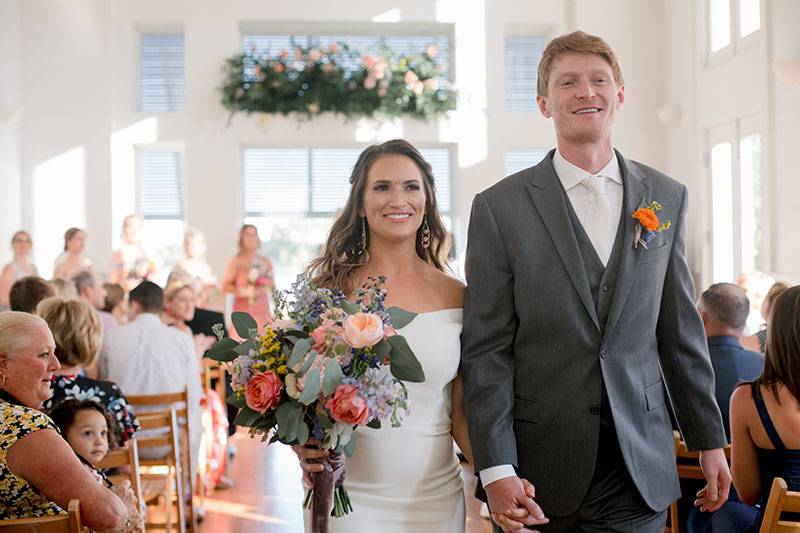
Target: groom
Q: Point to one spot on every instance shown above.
(579, 320)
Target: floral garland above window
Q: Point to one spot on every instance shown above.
(310, 81)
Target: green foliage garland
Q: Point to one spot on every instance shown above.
(310, 81)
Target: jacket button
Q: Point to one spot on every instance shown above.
(603, 353)
(595, 410)
(606, 287)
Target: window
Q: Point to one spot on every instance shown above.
(737, 200)
(521, 63)
(160, 200)
(272, 45)
(162, 80)
(516, 160)
(292, 196)
(730, 22)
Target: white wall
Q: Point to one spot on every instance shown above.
(79, 135)
(10, 96)
(709, 94)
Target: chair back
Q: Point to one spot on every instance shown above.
(126, 461)
(65, 523)
(781, 500)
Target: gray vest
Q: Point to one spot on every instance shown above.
(601, 279)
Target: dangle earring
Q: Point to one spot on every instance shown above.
(363, 243)
(3, 383)
(426, 233)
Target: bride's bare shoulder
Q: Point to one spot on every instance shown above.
(450, 288)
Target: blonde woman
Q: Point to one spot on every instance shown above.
(250, 278)
(72, 261)
(20, 267)
(129, 265)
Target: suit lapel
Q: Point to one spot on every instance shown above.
(546, 192)
(637, 187)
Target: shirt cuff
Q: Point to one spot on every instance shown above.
(495, 473)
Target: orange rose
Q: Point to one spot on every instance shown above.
(362, 330)
(348, 406)
(647, 218)
(263, 391)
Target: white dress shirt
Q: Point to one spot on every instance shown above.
(581, 198)
(147, 357)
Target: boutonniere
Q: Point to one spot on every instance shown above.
(649, 224)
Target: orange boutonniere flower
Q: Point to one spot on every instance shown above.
(649, 223)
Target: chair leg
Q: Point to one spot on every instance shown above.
(673, 518)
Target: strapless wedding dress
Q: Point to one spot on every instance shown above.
(406, 479)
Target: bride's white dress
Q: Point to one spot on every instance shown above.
(406, 479)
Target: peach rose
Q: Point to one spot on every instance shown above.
(263, 391)
(320, 335)
(362, 330)
(347, 406)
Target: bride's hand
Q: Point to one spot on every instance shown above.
(518, 518)
(304, 453)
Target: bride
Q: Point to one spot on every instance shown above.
(407, 479)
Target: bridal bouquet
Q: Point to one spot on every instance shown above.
(316, 372)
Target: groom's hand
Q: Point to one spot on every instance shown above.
(511, 504)
(718, 478)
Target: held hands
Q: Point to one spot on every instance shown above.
(125, 493)
(304, 453)
(718, 477)
(511, 504)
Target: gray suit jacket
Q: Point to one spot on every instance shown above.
(535, 358)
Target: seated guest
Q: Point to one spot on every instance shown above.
(64, 289)
(26, 293)
(148, 357)
(78, 336)
(18, 268)
(39, 472)
(765, 417)
(116, 302)
(90, 289)
(724, 308)
(72, 261)
(759, 340)
(179, 308)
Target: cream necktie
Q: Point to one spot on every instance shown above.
(598, 216)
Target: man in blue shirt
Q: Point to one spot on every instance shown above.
(724, 308)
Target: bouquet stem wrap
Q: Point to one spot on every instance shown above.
(328, 496)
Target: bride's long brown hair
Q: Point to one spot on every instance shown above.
(343, 252)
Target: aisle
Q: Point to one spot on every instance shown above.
(268, 494)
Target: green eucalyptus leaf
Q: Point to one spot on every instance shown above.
(245, 347)
(288, 416)
(302, 433)
(374, 424)
(301, 348)
(382, 349)
(324, 422)
(243, 323)
(223, 350)
(247, 417)
(399, 318)
(310, 387)
(404, 364)
(332, 377)
(350, 447)
(310, 358)
(234, 400)
(349, 307)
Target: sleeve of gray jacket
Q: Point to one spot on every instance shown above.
(683, 351)
(490, 325)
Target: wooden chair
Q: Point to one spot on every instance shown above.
(213, 370)
(172, 475)
(126, 460)
(781, 499)
(180, 401)
(67, 523)
(688, 465)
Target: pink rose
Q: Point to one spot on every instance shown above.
(320, 335)
(362, 330)
(263, 391)
(347, 406)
